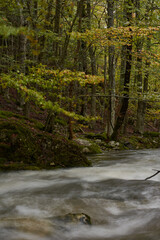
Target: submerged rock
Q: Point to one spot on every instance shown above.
(42, 227)
(75, 218)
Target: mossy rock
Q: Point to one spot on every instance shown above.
(101, 136)
(141, 142)
(24, 147)
(95, 149)
(90, 146)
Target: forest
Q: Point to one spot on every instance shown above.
(81, 66)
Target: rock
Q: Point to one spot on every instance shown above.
(98, 141)
(42, 227)
(23, 146)
(75, 218)
(114, 144)
(83, 142)
(128, 145)
(89, 147)
(86, 150)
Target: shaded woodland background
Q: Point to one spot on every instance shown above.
(82, 63)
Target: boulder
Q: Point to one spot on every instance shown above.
(83, 142)
(114, 144)
(75, 218)
(88, 146)
(23, 146)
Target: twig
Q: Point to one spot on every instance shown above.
(157, 171)
(117, 96)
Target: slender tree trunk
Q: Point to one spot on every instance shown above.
(57, 30)
(105, 89)
(81, 51)
(23, 57)
(140, 107)
(111, 72)
(93, 63)
(138, 75)
(122, 68)
(66, 43)
(125, 100)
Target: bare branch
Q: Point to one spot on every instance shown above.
(157, 171)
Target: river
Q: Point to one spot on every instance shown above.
(121, 204)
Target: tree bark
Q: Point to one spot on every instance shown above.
(125, 99)
(111, 72)
(138, 76)
(140, 107)
(93, 63)
(56, 31)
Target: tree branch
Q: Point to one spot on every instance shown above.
(157, 171)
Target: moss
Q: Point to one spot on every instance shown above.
(70, 155)
(141, 142)
(101, 136)
(94, 149)
(38, 125)
(151, 134)
(2, 160)
(60, 121)
(24, 146)
(16, 167)
(7, 114)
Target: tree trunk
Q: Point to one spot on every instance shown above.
(140, 108)
(122, 68)
(66, 42)
(93, 63)
(138, 76)
(81, 51)
(125, 99)
(23, 57)
(56, 31)
(111, 72)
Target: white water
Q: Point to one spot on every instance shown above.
(113, 193)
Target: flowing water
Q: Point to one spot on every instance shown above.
(121, 204)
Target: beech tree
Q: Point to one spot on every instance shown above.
(103, 57)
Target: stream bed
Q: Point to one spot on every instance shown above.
(114, 193)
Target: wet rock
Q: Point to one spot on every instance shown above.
(128, 145)
(42, 227)
(77, 218)
(114, 145)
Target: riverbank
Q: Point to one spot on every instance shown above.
(24, 145)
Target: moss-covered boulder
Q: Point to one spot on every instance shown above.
(88, 146)
(148, 140)
(23, 145)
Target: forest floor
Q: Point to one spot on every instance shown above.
(24, 137)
